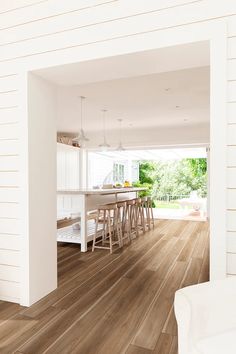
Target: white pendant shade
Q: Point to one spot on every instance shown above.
(120, 147)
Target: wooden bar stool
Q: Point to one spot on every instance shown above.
(122, 207)
(130, 220)
(111, 231)
(140, 220)
(149, 213)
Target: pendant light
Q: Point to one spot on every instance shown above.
(81, 138)
(104, 146)
(120, 146)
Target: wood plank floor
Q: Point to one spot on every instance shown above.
(119, 303)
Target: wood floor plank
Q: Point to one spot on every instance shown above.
(62, 326)
(152, 325)
(27, 331)
(193, 273)
(119, 303)
(204, 274)
(133, 349)
(79, 304)
(8, 310)
(114, 325)
(170, 326)
(174, 346)
(164, 344)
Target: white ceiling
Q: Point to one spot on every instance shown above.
(176, 98)
(160, 95)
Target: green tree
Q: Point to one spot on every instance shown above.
(174, 177)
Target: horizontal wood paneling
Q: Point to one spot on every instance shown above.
(232, 69)
(231, 134)
(10, 242)
(231, 263)
(9, 179)
(10, 115)
(9, 83)
(10, 257)
(42, 11)
(232, 91)
(9, 131)
(231, 112)
(231, 199)
(8, 99)
(9, 291)
(9, 226)
(9, 273)
(9, 195)
(9, 147)
(9, 163)
(231, 177)
(231, 150)
(13, 5)
(78, 19)
(231, 21)
(9, 210)
(231, 220)
(232, 48)
(109, 30)
(231, 156)
(231, 242)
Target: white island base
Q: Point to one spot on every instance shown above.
(84, 201)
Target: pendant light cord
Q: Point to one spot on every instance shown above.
(120, 128)
(104, 124)
(81, 112)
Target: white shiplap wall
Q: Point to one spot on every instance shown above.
(35, 34)
(231, 148)
(10, 239)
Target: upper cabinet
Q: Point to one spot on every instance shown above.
(67, 167)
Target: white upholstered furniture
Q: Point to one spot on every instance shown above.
(206, 317)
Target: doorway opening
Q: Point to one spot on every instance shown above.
(160, 106)
(175, 178)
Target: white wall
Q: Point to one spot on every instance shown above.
(57, 32)
(42, 251)
(99, 168)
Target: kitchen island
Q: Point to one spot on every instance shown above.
(82, 201)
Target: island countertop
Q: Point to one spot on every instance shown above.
(101, 191)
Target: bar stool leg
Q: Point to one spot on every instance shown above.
(96, 233)
(153, 222)
(109, 231)
(136, 221)
(118, 227)
(130, 219)
(148, 216)
(124, 221)
(142, 217)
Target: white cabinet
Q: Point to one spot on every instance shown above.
(67, 167)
